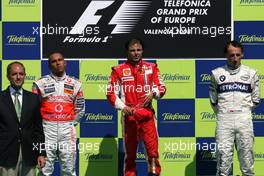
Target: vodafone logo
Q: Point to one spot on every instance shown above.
(58, 108)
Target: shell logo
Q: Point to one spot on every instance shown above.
(126, 72)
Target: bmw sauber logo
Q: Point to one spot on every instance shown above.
(222, 78)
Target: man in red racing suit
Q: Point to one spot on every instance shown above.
(137, 82)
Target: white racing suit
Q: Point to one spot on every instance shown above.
(62, 106)
(233, 94)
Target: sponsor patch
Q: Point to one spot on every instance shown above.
(130, 78)
(49, 90)
(127, 72)
(49, 85)
(67, 86)
(222, 78)
(245, 77)
(68, 80)
(148, 70)
(234, 87)
(68, 89)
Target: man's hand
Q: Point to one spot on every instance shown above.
(147, 100)
(127, 111)
(41, 161)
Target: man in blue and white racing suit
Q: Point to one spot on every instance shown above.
(233, 92)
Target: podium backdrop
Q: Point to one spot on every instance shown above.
(184, 37)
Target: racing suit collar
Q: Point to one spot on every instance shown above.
(233, 71)
(57, 78)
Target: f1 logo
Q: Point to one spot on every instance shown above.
(88, 17)
(125, 18)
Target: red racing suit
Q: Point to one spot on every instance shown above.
(62, 105)
(128, 86)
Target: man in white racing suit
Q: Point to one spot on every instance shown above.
(233, 92)
(62, 106)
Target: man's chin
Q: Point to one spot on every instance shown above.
(136, 60)
(59, 72)
(17, 86)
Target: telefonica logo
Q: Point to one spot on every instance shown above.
(205, 77)
(175, 156)
(259, 155)
(17, 2)
(98, 157)
(257, 116)
(175, 116)
(141, 155)
(261, 77)
(30, 78)
(208, 116)
(96, 77)
(250, 38)
(99, 116)
(249, 2)
(167, 77)
(207, 155)
(15, 39)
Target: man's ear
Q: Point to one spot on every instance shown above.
(7, 76)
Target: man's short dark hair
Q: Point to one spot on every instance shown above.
(235, 44)
(8, 69)
(132, 42)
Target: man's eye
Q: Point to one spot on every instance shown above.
(237, 55)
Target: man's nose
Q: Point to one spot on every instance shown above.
(236, 57)
(18, 76)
